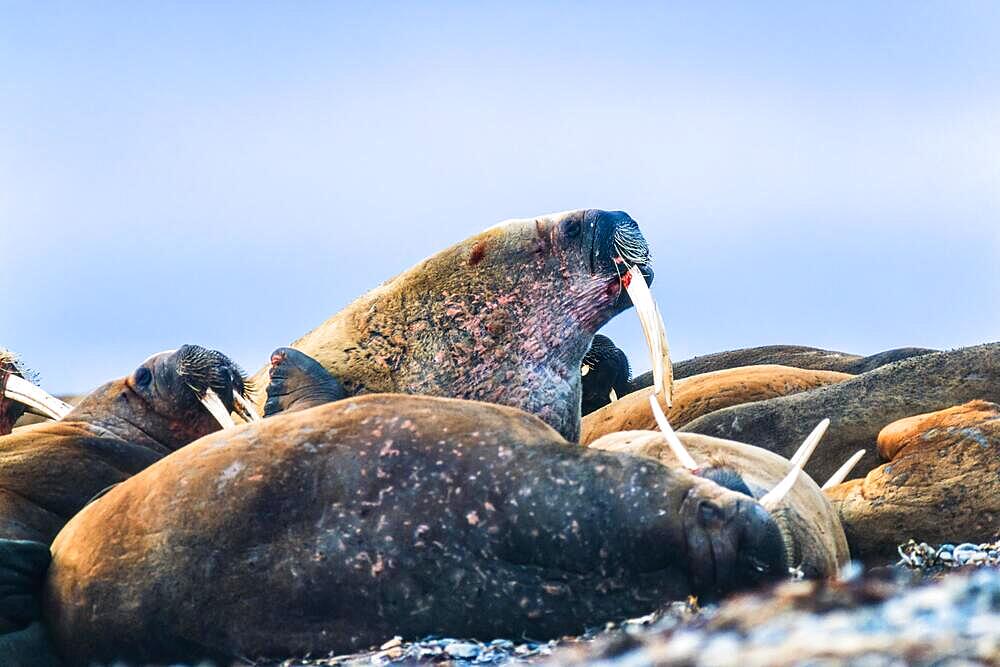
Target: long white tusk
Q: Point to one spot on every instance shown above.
(36, 398)
(675, 444)
(809, 444)
(652, 328)
(584, 369)
(245, 408)
(613, 395)
(844, 470)
(773, 498)
(214, 404)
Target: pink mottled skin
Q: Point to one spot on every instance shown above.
(503, 317)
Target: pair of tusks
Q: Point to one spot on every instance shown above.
(39, 401)
(773, 498)
(654, 331)
(217, 408)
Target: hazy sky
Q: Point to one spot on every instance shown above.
(232, 174)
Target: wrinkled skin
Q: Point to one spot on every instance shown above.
(49, 471)
(858, 408)
(504, 317)
(296, 381)
(607, 371)
(335, 528)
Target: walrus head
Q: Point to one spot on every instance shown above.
(606, 374)
(171, 399)
(733, 542)
(19, 395)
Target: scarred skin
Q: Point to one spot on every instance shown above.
(335, 528)
(49, 471)
(504, 317)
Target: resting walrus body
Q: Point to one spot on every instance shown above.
(859, 407)
(333, 528)
(504, 317)
(797, 356)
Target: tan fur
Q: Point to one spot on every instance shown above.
(809, 523)
(942, 483)
(701, 394)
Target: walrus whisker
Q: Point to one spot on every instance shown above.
(37, 399)
(844, 470)
(244, 408)
(217, 408)
(772, 499)
(675, 444)
(652, 327)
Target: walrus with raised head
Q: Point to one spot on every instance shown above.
(860, 407)
(333, 528)
(504, 317)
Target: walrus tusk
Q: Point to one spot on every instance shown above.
(584, 369)
(772, 499)
(214, 405)
(613, 395)
(844, 470)
(245, 408)
(675, 444)
(653, 329)
(37, 399)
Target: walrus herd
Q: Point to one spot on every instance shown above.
(459, 452)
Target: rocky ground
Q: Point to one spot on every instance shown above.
(936, 606)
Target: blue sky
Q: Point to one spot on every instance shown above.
(232, 174)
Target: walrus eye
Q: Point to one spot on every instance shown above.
(572, 229)
(143, 376)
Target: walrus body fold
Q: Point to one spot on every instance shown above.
(504, 317)
(698, 395)
(333, 528)
(941, 483)
(859, 407)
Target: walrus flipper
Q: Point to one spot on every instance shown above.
(23, 642)
(296, 381)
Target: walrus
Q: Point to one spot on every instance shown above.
(332, 528)
(860, 407)
(698, 395)
(19, 396)
(49, 471)
(504, 317)
(941, 483)
(814, 538)
(797, 356)
(606, 375)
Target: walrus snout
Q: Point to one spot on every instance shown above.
(618, 244)
(733, 542)
(297, 382)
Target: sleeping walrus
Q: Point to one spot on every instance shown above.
(504, 317)
(333, 528)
